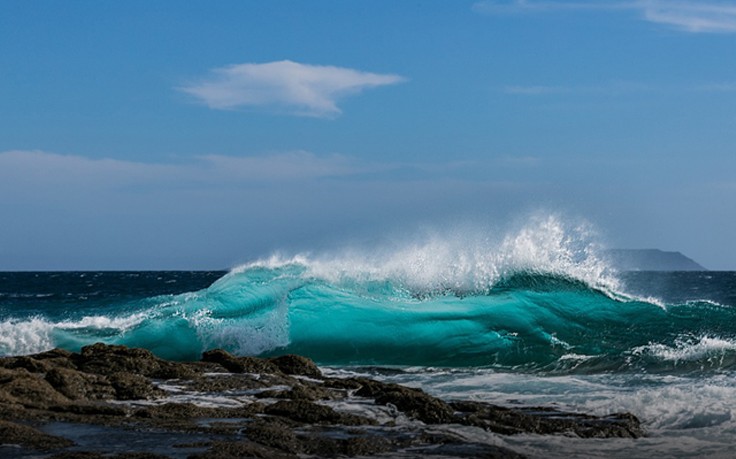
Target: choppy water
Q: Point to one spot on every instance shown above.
(535, 317)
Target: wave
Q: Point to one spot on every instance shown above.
(539, 300)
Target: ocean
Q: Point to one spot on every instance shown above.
(536, 317)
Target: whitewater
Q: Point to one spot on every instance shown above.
(534, 317)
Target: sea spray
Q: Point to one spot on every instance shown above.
(538, 299)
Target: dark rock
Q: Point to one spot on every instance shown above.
(296, 365)
(242, 449)
(28, 363)
(176, 411)
(259, 366)
(414, 402)
(547, 421)
(107, 359)
(27, 389)
(308, 412)
(274, 434)
(96, 455)
(309, 393)
(28, 437)
(90, 411)
(76, 385)
(129, 386)
(353, 446)
(344, 384)
(236, 382)
(225, 359)
(78, 455)
(176, 370)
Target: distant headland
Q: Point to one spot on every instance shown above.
(651, 260)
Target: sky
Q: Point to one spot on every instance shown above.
(201, 135)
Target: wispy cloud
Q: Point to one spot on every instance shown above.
(719, 17)
(70, 170)
(685, 15)
(299, 89)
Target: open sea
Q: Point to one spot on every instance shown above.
(536, 318)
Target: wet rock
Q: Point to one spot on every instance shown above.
(274, 434)
(176, 411)
(225, 359)
(308, 393)
(91, 412)
(241, 449)
(129, 386)
(308, 412)
(510, 421)
(177, 370)
(354, 446)
(342, 384)
(259, 366)
(414, 402)
(234, 382)
(76, 385)
(28, 437)
(96, 455)
(296, 365)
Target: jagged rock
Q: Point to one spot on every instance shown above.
(58, 385)
(225, 359)
(176, 411)
(95, 455)
(107, 359)
(343, 384)
(414, 402)
(235, 382)
(258, 366)
(354, 446)
(29, 390)
(296, 365)
(299, 392)
(129, 386)
(241, 449)
(308, 412)
(274, 434)
(76, 385)
(28, 437)
(547, 421)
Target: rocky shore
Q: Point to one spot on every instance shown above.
(118, 402)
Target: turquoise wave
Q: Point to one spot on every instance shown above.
(537, 300)
(524, 321)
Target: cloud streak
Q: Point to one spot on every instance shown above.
(284, 86)
(685, 15)
(51, 169)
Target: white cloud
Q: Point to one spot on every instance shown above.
(300, 89)
(685, 15)
(693, 16)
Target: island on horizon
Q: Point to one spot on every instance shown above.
(651, 260)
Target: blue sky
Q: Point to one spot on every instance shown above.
(198, 135)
